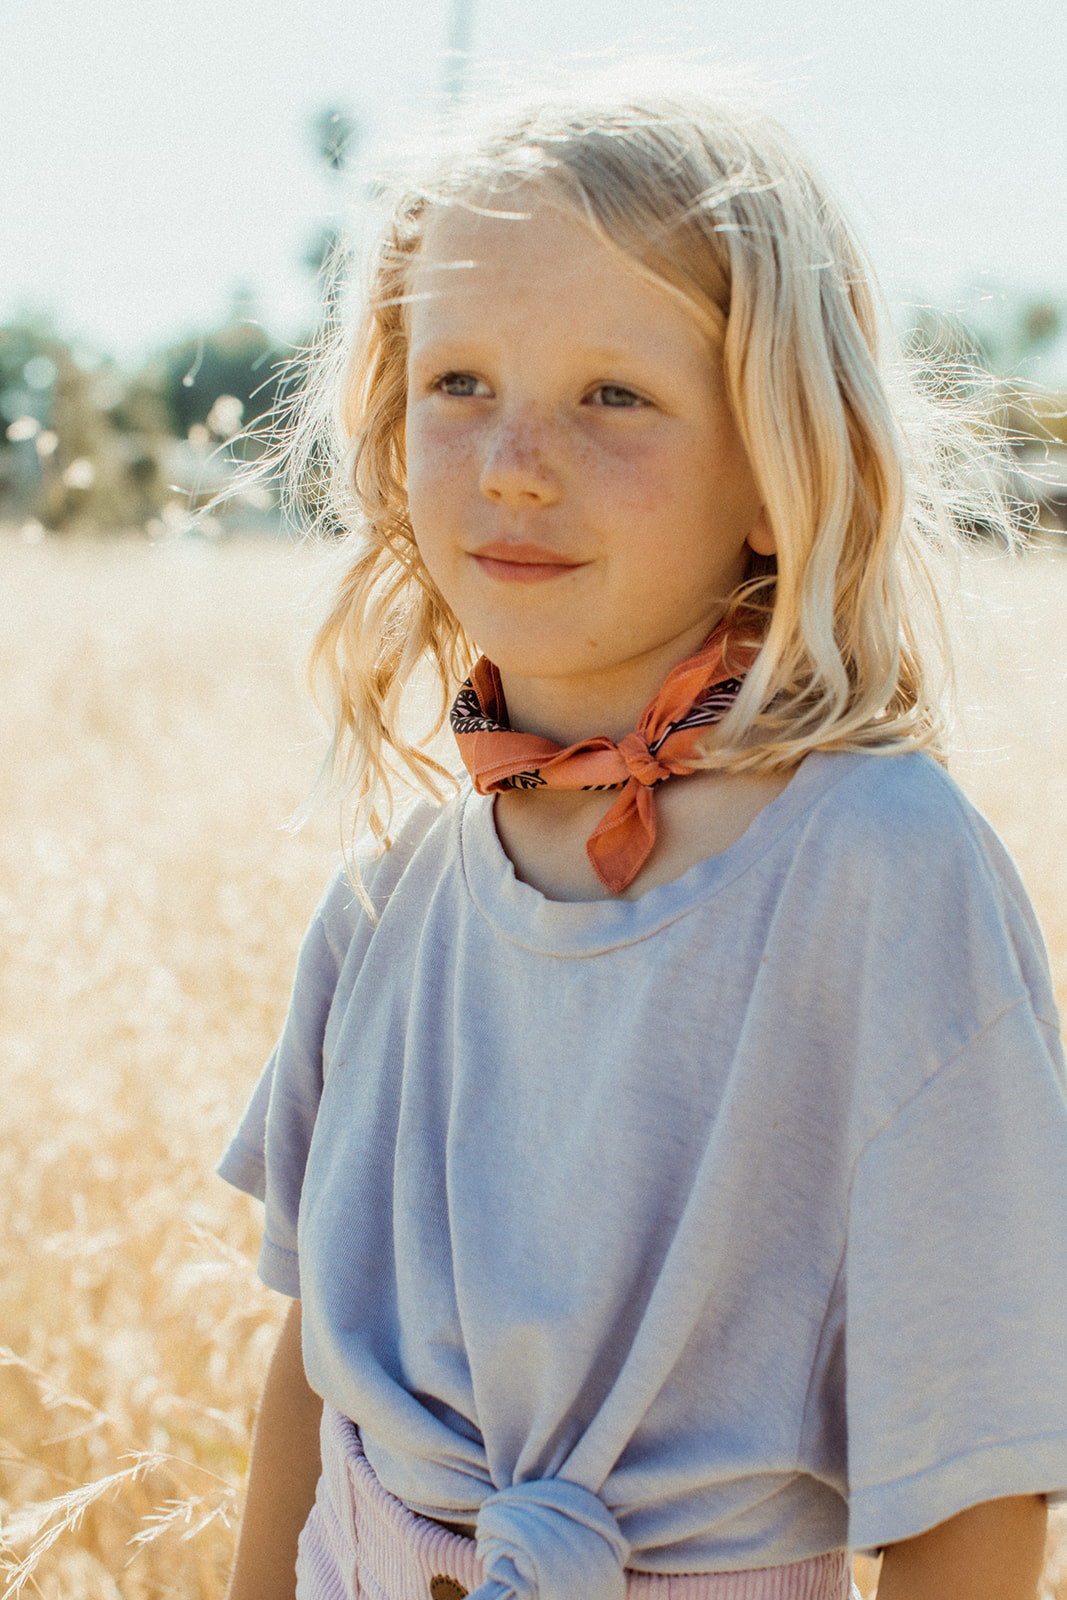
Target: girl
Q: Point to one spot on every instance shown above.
(666, 1147)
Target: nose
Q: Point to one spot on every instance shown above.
(518, 468)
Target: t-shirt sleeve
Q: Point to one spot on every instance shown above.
(956, 1289)
(268, 1153)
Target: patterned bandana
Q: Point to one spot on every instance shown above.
(698, 693)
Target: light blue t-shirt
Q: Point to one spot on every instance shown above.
(742, 1205)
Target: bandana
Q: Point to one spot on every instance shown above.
(697, 694)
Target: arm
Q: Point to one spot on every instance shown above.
(282, 1474)
(992, 1551)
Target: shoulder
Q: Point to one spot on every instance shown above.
(346, 921)
(907, 821)
(920, 922)
(362, 889)
(903, 822)
(918, 883)
(906, 796)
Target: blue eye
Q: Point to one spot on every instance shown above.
(617, 397)
(460, 385)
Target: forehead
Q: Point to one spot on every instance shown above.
(472, 252)
(532, 261)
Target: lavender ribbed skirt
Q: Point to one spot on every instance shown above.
(361, 1543)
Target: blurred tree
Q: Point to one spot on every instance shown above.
(28, 365)
(986, 366)
(83, 446)
(338, 135)
(1003, 335)
(1012, 332)
(1041, 322)
(238, 359)
(322, 250)
(457, 57)
(946, 354)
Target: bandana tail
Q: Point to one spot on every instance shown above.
(622, 840)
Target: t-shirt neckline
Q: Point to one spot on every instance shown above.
(575, 928)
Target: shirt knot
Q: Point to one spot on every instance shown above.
(549, 1540)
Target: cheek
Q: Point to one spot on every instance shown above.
(434, 499)
(420, 458)
(637, 479)
(439, 465)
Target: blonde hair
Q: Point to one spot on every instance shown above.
(863, 477)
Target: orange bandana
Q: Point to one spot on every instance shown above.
(698, 693)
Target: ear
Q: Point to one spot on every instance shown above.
(761, 539)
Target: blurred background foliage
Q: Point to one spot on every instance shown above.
(90, 448)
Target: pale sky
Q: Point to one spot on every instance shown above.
(156, 154)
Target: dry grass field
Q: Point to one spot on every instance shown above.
(156, 737)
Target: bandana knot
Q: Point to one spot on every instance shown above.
(643, 764)
(666, 742)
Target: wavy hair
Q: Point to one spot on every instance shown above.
(865, 475)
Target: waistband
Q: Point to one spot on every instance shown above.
(362, 1543)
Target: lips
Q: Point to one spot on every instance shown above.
(522, 563)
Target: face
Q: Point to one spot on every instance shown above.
(578, 490)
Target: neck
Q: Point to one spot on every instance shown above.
(549, 710)
(568, 710)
